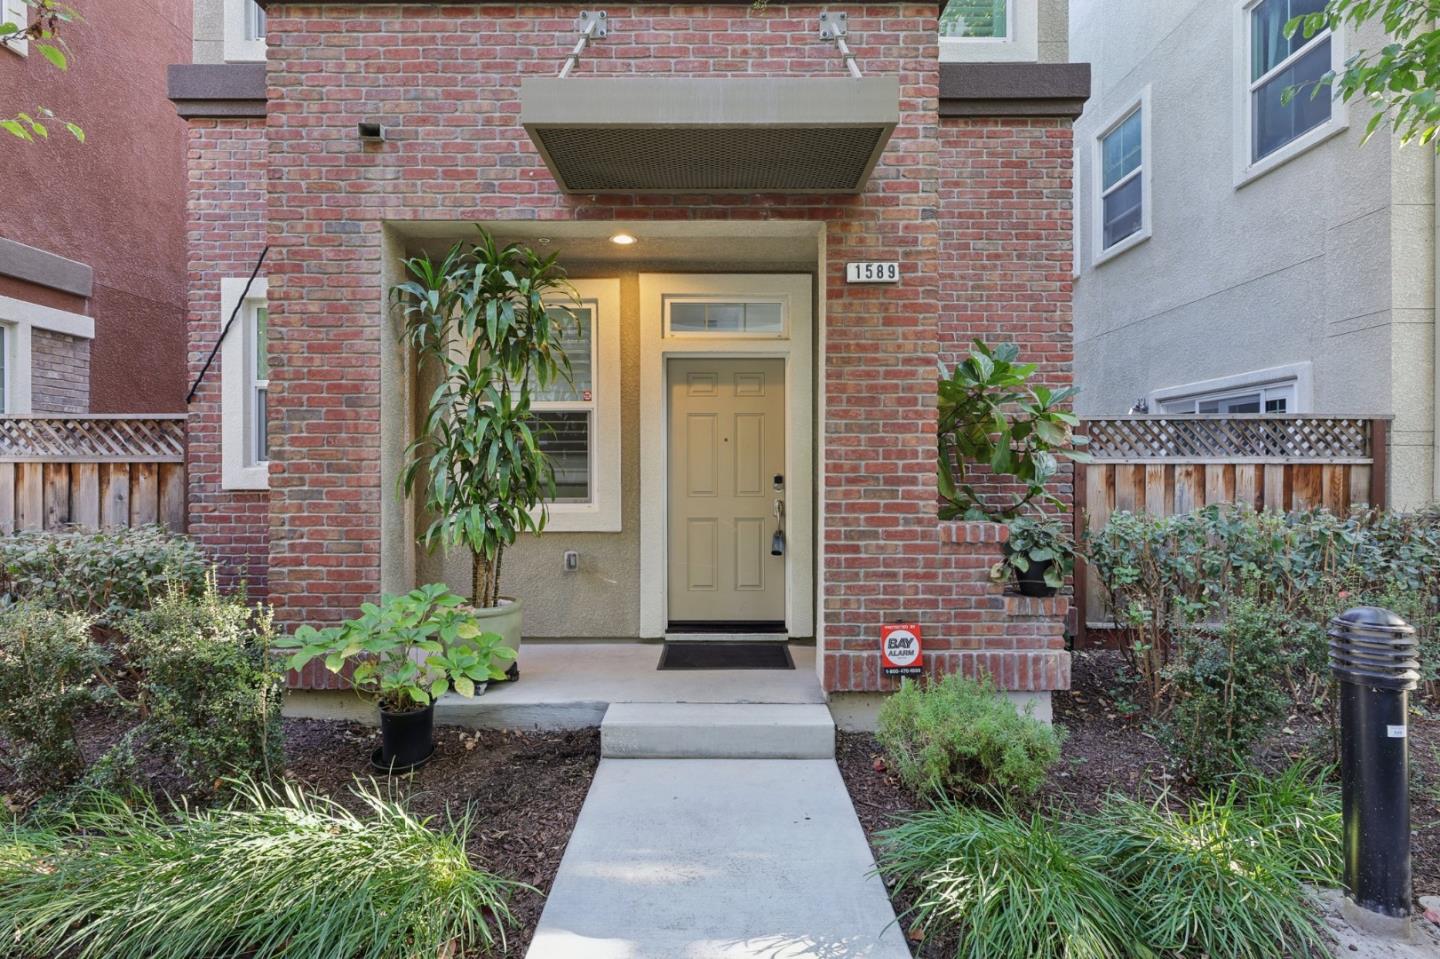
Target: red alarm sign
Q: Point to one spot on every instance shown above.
(900, 652)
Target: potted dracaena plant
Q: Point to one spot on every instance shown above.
(406, 652)
(486, 324)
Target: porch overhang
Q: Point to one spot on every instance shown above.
(810, 135)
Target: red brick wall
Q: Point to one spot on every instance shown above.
(225, 226)
(445, 83)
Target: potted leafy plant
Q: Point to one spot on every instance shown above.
(1038, 553)
(407, 652)
(486, 323)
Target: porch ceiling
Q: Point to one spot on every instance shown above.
(710, 135)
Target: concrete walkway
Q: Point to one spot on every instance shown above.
(717, 859)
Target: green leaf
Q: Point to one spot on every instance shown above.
(54, 54)
(464, 686)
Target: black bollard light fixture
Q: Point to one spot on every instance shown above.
(1375, 659)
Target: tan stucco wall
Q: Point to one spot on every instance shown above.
(602, 599)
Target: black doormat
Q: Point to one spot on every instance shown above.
(707, 655)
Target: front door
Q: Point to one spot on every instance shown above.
(726, 487)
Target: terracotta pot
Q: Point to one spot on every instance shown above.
(505, 620)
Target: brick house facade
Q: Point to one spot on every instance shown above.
(971, 195)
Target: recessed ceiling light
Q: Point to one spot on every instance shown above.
(622, 239)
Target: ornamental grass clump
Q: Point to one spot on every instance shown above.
(957, 736)
(1006, 887)
(274, 874)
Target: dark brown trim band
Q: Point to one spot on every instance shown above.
(217, 90)
(1014, 89)
(43, 268)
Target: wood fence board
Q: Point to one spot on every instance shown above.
(144, 494)
(1360, 486)
(1276, 494)
(85, 495)
(1159, 490)
(1189, 488)
(172, 496)
(29, 496)
(1306, 489)
(1248, 483)
(115, 494)
(1129, 482)
(7, 497)
(57, 495)
(1219, 483)
(1334, 489)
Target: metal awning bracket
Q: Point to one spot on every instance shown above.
(592, 25)
(834, 28)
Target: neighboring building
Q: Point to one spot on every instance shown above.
(750, 168)
(1238, 254)
(92, 249)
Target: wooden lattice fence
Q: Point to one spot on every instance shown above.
(91, 471)
(1165, 465)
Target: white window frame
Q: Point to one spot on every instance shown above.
(238, 47)
(1021, 42)
(1144, 172)
(1248, 170)
(1295, 375)
(239, 468)
(20, 319)
(18, 13)
(602, 513)
(1077, 224)
(670, 299)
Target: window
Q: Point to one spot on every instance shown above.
(18, 321)
(983, 30)
(245, 27)
(1279, 389)
(1275, 65)
(700, 316)
(244, 385)
(1122, 181)
(1268, 399)
(18, 13)
(4, 365)
(577, 423)
(989, 19)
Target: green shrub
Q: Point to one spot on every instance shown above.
(1205, 881)
(958, 736)
(210, 690)
(1228, 689)
(105, 574)
(271, 875)
(1007, 888)
(48, 673)
(1295, 815)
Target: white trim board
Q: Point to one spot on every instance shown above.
(20, 318)
(655, 350)
(1021, 42)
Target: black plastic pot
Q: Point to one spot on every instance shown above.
(1032, 581)
(406, 739)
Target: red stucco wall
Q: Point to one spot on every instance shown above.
(117, 201)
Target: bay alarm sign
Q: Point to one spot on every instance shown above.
(900, 650)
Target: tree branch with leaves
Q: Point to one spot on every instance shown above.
(42, 30)
(1401, 79)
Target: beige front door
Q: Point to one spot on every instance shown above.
(727, 456)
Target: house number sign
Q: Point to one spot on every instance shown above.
(872, 272)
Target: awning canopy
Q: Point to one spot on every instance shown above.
(709, 134)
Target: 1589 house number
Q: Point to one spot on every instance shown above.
(872, 272)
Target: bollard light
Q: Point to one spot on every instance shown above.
(1374, 657)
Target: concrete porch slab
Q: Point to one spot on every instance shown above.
(717, 859)
(570, 685)
(717, 731)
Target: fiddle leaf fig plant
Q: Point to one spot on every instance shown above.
(486, 322)
(410, 650)
(1035, 541)
(991, 415)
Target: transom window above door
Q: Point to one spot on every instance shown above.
(706, 316)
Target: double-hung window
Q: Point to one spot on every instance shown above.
(1287, 101)
(577, 422)
(1122, 181)
(244, 385)
(244, 31)
(5, 339)
(982, 30)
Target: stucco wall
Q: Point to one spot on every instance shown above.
(116, 202)
(1054, 33)
(1328, 259)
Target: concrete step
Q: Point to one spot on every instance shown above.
(717, 731)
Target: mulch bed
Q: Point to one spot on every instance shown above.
(523, 789)
(1108, 752)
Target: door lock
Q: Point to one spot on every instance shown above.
(779, 482)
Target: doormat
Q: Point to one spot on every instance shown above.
(706, 655)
